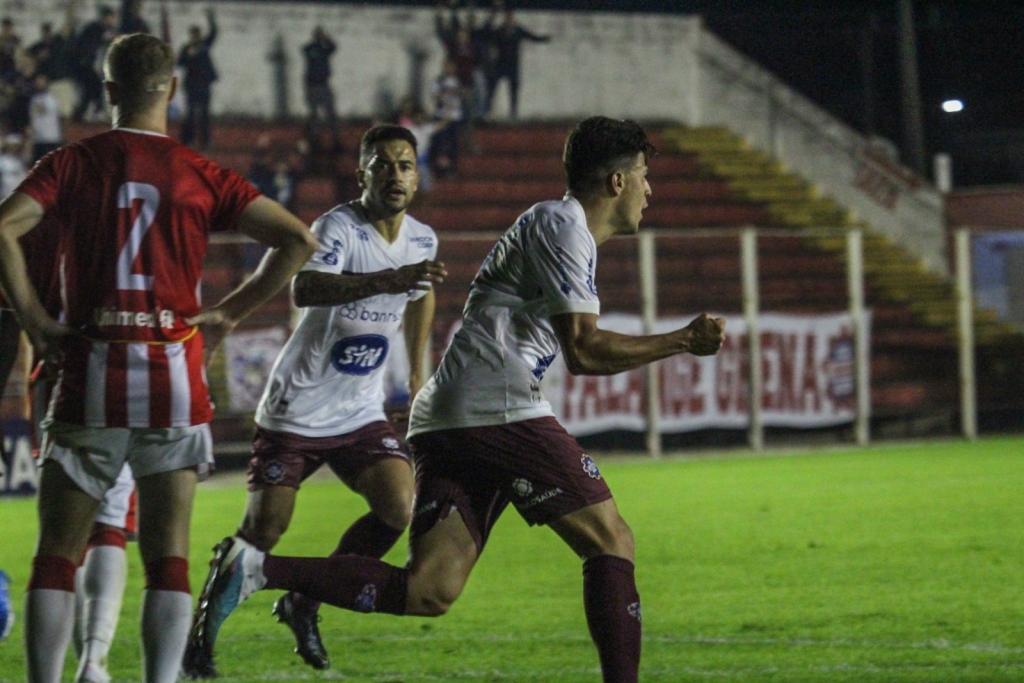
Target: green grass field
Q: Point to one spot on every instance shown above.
(899, 563)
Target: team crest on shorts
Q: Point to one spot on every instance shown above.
(390, 443)
(522, 487)
(634, 611)
(589, 467)
(273, 472)
(367, 600)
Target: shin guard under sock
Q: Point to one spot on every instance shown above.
(360, 584)
(612, 605)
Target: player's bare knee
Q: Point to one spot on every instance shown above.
(434, 603)
(396, 513)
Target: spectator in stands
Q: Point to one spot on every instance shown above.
(44, 119)
(447, 95)
(505, 40)
(52, 52)
(275, 172)
(317, 81)
(200, 75)
(413, 116)
(457, 38)
(89, 47)
(13, 166)
(131, 18)
(17, 90)
(10, 42)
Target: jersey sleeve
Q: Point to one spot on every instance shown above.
(44, 181)
(565, 259)
(330, 253)
(429, 254)
(234, 193)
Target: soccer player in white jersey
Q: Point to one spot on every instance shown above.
(324, 400)
(134, 210)
(484, 436)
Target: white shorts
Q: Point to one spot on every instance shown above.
(93, 457)
(114, 506)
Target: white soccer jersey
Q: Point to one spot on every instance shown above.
(328, 379)
(490, 374)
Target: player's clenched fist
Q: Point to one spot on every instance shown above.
(706, 335)
(417, 276)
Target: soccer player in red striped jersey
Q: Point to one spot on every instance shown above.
(135, 210)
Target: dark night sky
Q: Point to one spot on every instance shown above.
(972, 50)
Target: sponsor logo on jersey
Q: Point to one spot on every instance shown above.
(367, 600)
(110, 317)
(331, 259)
(362, 234)
(522, 487)
(589, 467)
(590, 277)
(354, 311)
(390, 443)
(422, 242)
(359, 355)
(273, 472)
(634, 611)
(540, 498)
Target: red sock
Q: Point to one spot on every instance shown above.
(50, 572)
(360, 584)
(168, 574)
(613, 615)
(368, 536)
(107, 535)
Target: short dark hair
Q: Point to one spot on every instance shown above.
(383, 133)
(142, 65)
(598, 146)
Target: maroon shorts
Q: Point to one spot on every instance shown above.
(534, 464)
(284, 459)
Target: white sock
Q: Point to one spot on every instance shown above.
(49, 619)
(104, 574)
(166, 619)
(78, 634)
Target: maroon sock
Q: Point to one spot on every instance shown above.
(613, 615)
(361, 584)
(368, 536)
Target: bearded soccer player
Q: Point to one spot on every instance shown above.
(324, 400)
(135, 209)
(480, 427)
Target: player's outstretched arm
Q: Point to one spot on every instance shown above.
(291, 244)
(589, 350)
(313, 288)
(19, 214)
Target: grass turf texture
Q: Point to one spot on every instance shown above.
(889, 564)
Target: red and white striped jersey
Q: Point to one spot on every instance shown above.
(135, 210)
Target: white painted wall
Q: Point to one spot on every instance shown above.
(648, 67)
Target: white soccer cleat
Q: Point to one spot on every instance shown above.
(90, 672)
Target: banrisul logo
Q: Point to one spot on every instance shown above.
(359, 355)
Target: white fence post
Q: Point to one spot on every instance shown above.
(862, 354)
(965, 318)
(751, 309)
(649, 302)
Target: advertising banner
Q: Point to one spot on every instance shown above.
(808, 371)
(19, 474)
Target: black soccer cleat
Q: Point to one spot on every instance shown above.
(304, 626)
(197, 663)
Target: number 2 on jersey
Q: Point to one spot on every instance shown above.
(150, 197)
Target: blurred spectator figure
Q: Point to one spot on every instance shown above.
(13, 166)
(413, 116)
(317, 80)
(51, 52)
(200, 75)
(131, 18)
(10, 42)
(275, 171)
(505, 40)
(448, 97)
(44, 119)
(16, 89)
(89, 47)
